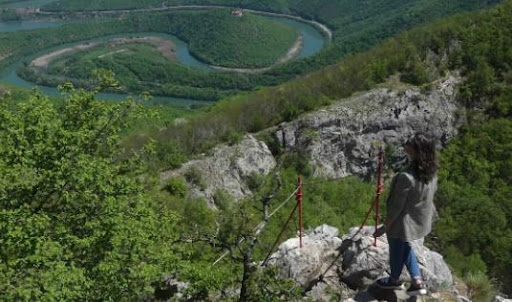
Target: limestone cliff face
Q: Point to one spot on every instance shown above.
(343, 139)
(340, 140)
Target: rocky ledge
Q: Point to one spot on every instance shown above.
(347, 266)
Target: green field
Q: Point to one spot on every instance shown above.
(221, 39)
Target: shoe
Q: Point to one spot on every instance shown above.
(417, 289)
(387, 283)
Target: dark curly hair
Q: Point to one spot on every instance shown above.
(424, 161)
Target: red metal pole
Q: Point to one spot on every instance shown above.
(379, 192)
(299, 202)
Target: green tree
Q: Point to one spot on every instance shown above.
(75, 223)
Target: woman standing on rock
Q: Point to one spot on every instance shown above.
(410, 213)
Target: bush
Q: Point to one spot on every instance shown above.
(480, 288)
(177, 187)
(255, 181)
(193, 176)
(170, 155)
(222, 199)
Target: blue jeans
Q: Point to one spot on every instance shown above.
(400, 253)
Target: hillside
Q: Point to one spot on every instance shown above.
(357, 25)
(140, 73)
(476, 46)
(124, 216)
(213, 37)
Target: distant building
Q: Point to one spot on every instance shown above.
(237, 13)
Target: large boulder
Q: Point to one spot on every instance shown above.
(321, 270)
(363, 262)
(306, 264)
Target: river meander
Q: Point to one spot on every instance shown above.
(314, 41)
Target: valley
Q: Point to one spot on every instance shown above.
(169, 146)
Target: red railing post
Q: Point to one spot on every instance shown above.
(299, 202)
(379, 192)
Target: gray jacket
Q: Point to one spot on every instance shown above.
(410, 207)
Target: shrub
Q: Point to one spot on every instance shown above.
(222, 199)
(177, 187)
(255, 181)
(193, 176)
(480, 288)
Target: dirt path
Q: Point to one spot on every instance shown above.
(165, 47)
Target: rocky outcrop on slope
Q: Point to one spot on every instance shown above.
(228, 168)
(340, 140)
(343, 139)
(352, 273)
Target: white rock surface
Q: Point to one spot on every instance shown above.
(228, 168)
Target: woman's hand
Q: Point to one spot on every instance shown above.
(380, 231)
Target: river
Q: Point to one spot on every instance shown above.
(314, 41)
(29, 3)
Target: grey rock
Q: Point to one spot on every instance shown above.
(228, 168)
(501, 299)
(364, 296)
(356, 268)
(306, 264)
(463, 299)
(343, 139)
(325, 293)
(434, 270)
(172, 289)
(363, 262)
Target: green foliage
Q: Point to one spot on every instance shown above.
(170, 155)
(71, 205)
(222, 199)
(177, 187)
(255, 181)
(220, 39)
(480, 288)
(463, 265)
(298, 161)
(475, 199)
(194, 176)
(267, 285)
(7, 14)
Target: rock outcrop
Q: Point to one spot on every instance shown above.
(228, 168)
(343, 139)
(340, 140)
(353, 262)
